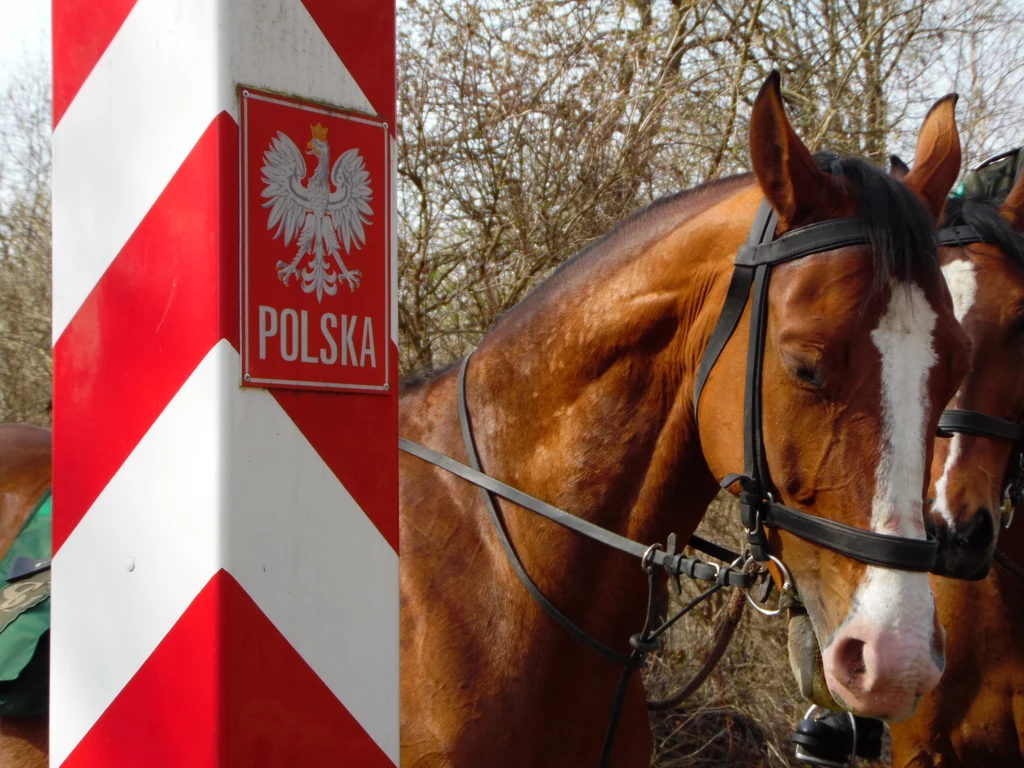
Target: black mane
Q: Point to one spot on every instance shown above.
(984, 216)
(898, 227)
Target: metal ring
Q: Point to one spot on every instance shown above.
(853, 727)
(649, 554)
(787, 586)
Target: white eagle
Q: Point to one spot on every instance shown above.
(319, 216)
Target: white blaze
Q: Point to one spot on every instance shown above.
(963, 287)
(898, 600)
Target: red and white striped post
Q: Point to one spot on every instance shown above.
(225, 491)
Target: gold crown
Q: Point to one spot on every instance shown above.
(319, 132)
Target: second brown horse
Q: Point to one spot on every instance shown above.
(976, 714)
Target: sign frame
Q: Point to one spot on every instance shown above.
(248, 94)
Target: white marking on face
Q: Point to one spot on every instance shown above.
(963, 287)
(888, 598)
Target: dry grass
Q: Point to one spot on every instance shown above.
(745, 712)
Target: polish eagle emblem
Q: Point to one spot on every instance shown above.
(323, 219)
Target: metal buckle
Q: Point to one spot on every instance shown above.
(813, 759)
(648, 557)
(787, 595)
(758, 525)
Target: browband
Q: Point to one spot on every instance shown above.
(795, 244)
(964, 234)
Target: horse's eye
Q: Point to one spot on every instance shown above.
(809, 375)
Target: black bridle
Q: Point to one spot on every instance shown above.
(758, 508)
(752, 269)
(965, 422)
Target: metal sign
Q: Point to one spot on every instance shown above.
(316, 246)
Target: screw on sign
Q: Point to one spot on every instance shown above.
(316, 246)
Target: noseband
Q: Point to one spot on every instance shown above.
(955, 421)
(758, 508)
(753, 265)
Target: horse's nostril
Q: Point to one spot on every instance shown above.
(979, 532)
(850, 662)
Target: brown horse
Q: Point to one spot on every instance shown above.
(976, 714)
(25, 474)
(582, 396)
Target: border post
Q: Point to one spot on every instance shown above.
(225, 523)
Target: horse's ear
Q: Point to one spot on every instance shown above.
(1012, 208)
(897, 168)
(797, 190)
(937, 159)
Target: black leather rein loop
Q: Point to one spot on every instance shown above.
(552, 513)
(676, 564)
(651, 558)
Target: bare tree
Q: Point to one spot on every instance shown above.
(529, 127)
(25, 297)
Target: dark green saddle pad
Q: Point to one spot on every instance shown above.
(25, 616)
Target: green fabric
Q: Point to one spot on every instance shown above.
(25, 620)
(994, 178)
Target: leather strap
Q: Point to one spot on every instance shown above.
(716, 551)
(676, 564)
(642, 643)
(961, 235)
(867, 547)
(1007, 564)
(795, 244)
(735, 301)
(624, 660)
(980, 424)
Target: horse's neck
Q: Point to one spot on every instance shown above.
(583, 400)
(586, 401)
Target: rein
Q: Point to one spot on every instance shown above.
(651, 558)
(752, 269)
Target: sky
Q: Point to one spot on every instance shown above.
(24, 34)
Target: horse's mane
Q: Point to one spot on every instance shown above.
(897, 226)
(983, 215)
